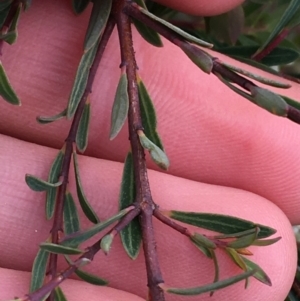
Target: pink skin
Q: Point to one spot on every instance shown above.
(211, 135)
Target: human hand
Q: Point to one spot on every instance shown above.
(210, 134)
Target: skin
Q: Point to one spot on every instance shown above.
(227, 156)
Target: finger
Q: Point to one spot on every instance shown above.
(181, 263)
(16, 283)
(210, 133)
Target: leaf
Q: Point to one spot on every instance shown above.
(237, 258)
(258, 78)
(3, 14)
(90, 278)
(148, 114)
(106, 243)
(84, 203)
(83, 129)
(6, 90)
(150, 35)
(182, 33)
(99, 16)
(286, 17)
(265, 242)
(217, 269)
(59, 249)
(204, 250)
(157, 155)
(269, 101)
(5, 4)
(12, 32)
(80, 81)
(53, 178)
(39, 268)
(59, 295)
(82, 236)
(244, 241)
(203, 241)
(120, 107)
(292, 102)
(260, 274)
(71, 219)
(131, 236)
(46, 119)
(37, 184)
(79, 5)
(219, 223)
(208, 288)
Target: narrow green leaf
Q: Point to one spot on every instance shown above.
(210, 287)
(150, 35)
(53, 178)
(37, 184)
(46, 119)
(6, 90)
(244, 241)
(59, 249)
(80, 81)
(5, 4)
(286, 17)
(71, 219)
(292, 102)
(84, 203)
(99, 16)
(220, 223)
(199, 57)
(131, 236)
(269, 100)
(90, 278)
(39, 268)
(204, 250)
(236, 235)
(203, 241)
(182, 33)
(217, 269)
(265, 242)
(148, 114)
(3, 15)
(82, 236)
(106, 243)
(237, 258)
(120, 107)
(79, 5)
(59, 295)
(12, 30)
(258, 78)
(157, 155)
(259, 274)
(83, 129)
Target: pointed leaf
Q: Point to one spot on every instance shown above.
(269, 100)
(220, 223)
(99, 16)
(45, 119)
(80, 81)
(237, 258)
(120, 107)
(204, 250)
(265, 242)
(59, 295)
(79, 5)
(157, 155)
(82, 236)
(131, 236)
(208, 288)
(258, 78)
(83, 129)
(217, 269)
(259, 274)
(292, 102)
(84, 203)
(203, 241)
(182, 33)
(39, 268)
(59, 249)
(53, 178)
(150, 35)
(12, 30)
(148, 114)
(4, 4)
(71, 219)
(236, 235)
(244, 241)
(90, 278)
(3, 14)
(37, 184)
(6, 90)
(286, 17)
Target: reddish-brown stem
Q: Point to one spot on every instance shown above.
(272, 45)
(143, 193)
(58, 214)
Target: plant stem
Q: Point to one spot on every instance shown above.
(143, 193)
(57, 227)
